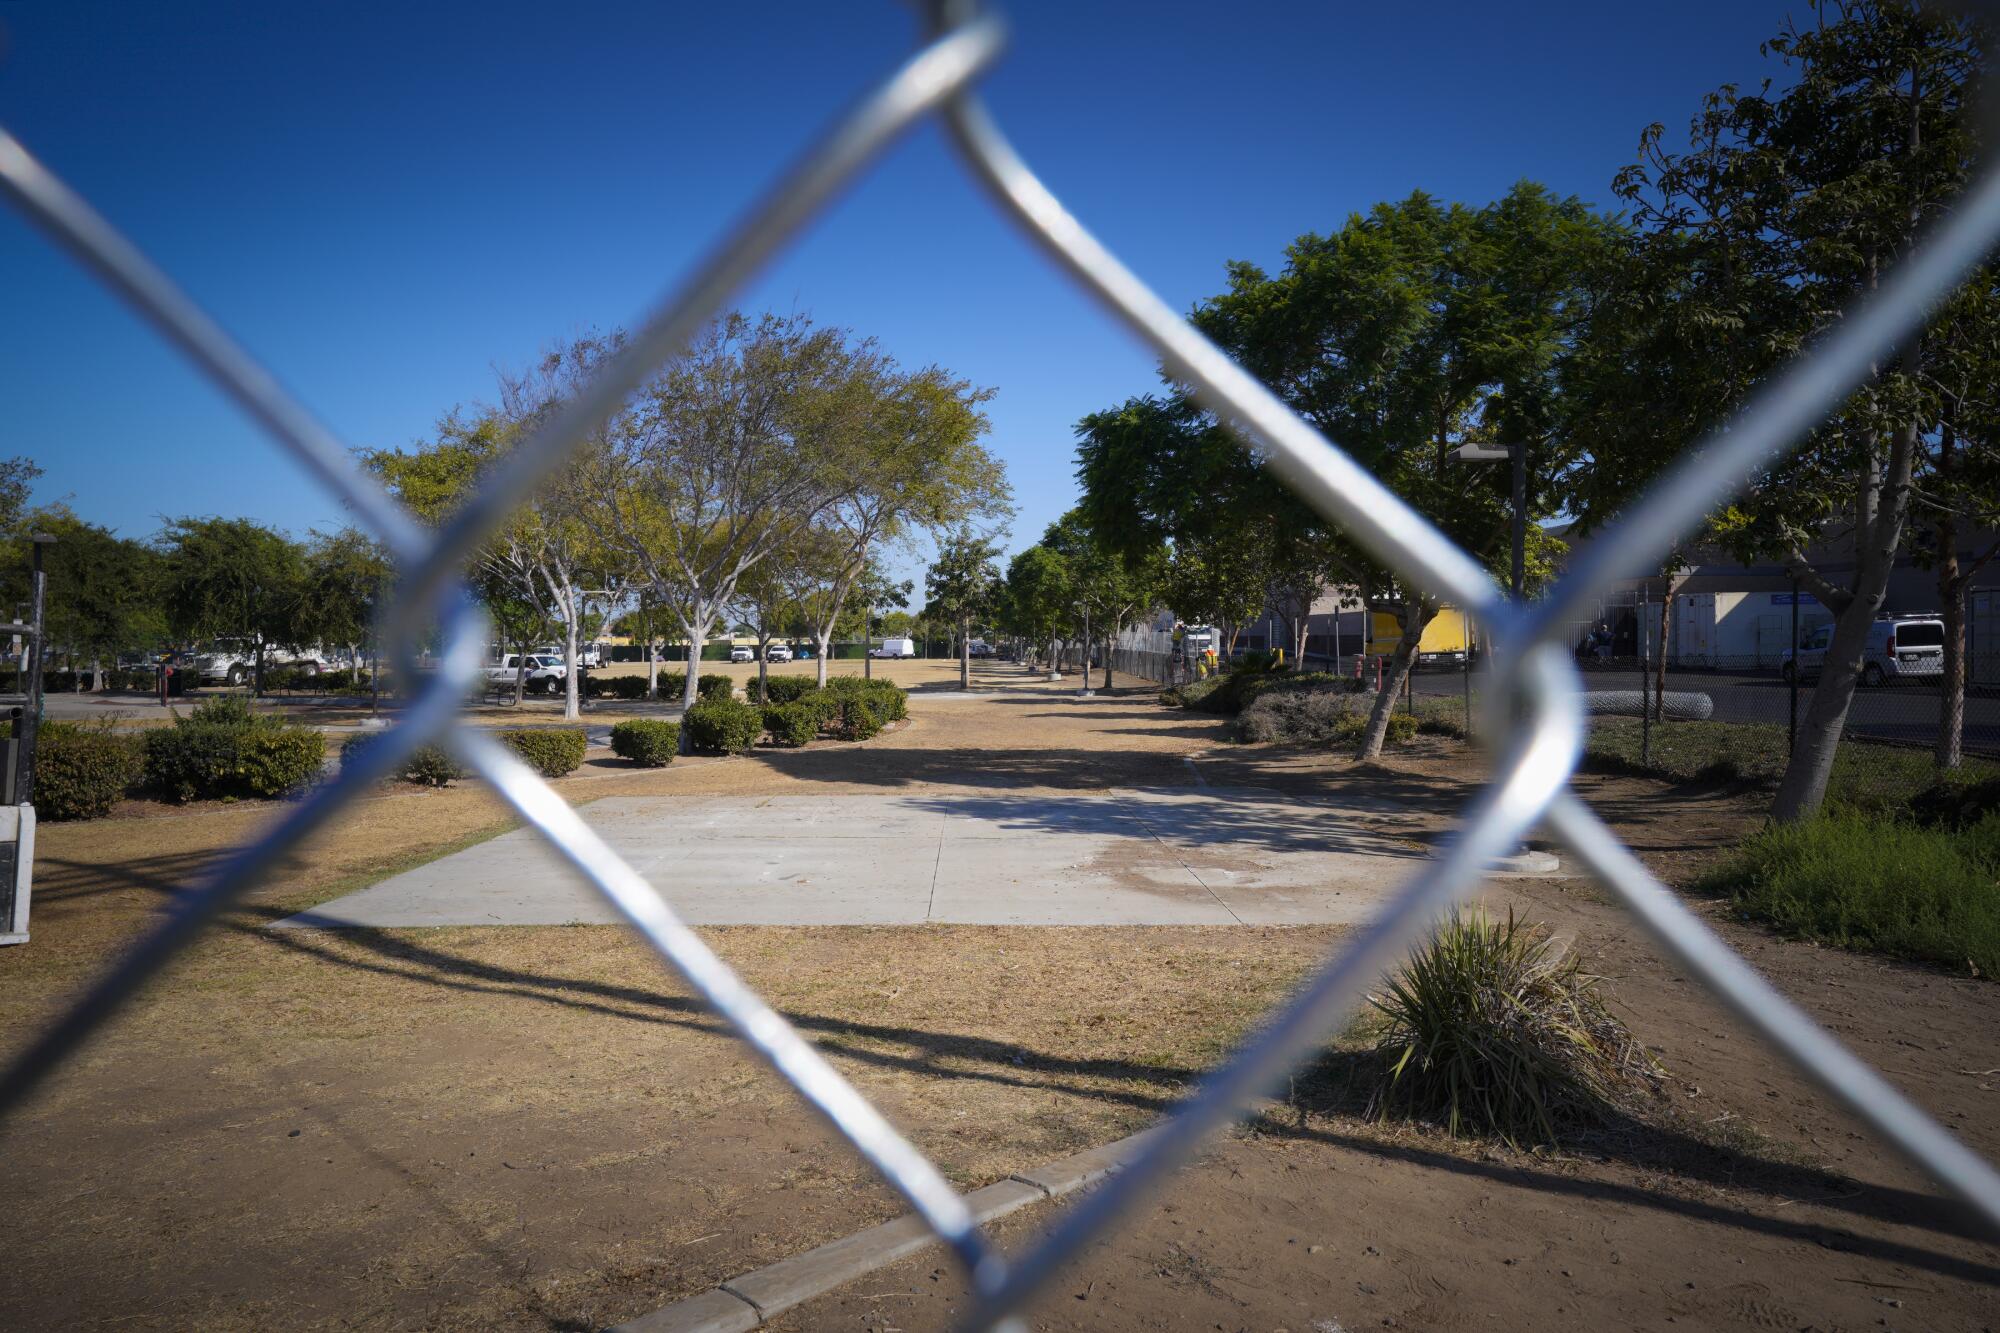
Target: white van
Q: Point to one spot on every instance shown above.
(1899, 648)
(895, 648)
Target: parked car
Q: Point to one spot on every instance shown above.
(545, 672)
(895, 648)
(587, 654)
(1899, 648)
(778, 653)
(979, 648)
(236, 663)
(742, 652)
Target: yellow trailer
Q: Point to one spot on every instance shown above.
(1446, 640)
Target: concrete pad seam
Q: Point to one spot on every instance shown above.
(937, 868)
(1180, 860)
(697, 1314)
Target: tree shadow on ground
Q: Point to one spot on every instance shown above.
(1326, 1095)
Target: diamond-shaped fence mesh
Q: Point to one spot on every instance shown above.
(1536, 711)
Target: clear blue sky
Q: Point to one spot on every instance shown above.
(386, 202)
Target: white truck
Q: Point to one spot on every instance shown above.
(232, 662)
(545, 673)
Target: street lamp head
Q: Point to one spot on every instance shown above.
(1481, 453)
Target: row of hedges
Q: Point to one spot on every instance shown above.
(66, 682)
(222, 749)
(552, 752)
(219, 751)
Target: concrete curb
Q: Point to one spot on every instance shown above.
(742, 1303)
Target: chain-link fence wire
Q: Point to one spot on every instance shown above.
(1533, 710)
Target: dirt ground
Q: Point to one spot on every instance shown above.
(536, 1128)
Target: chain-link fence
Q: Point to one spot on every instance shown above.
(1535, 694)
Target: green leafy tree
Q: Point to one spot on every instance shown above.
(99, 599)
(1784, 208)
(232, 578)
(1112, 584)
(1038, 598)
(963, 584)
(347, 580)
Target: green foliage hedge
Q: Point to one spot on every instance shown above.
(713, 687)
(550, 751)
(647, 742)
(428, 766)
(722, 726)
(82, 771)
(221, 749)
(890, 701)
(794, 723)
(1863, 881)
(858, 718)
(787, 689)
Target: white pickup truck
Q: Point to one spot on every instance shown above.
(545, 673)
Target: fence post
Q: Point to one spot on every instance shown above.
(1465, 676)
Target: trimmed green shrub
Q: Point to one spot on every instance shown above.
(1488, 1030)
(432, 766)
(221, 748)
(624, 687)
(1865, 882)
(889, 701)
(185, 762)
(859, 718)
(550, 751)
(713, 687)
(647, 742)
(428, 766)
(794, 723)
(787, 689)
(722, 726)
(273, 761)
(82, 771)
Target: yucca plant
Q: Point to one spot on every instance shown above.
(1489, 1029)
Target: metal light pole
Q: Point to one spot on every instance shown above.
(1518, 455)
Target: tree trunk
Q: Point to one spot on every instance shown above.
(763, 667)
(1949, 749)
(572, 687)
(96, 675)
(257, 673)
(652, 670)
(1660, 652)
(1416, 617)
(1107, 663)
(520, 673)
(965, 653)
(688, 691)
(825, 643)
(1803, 788)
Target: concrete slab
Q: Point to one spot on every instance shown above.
(1162, 856)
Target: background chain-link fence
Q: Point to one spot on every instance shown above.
(1534, 715)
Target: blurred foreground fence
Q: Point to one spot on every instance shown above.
(1535, 721)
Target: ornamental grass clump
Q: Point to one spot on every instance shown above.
(1489, 1029)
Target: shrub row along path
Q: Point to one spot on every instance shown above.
(536, 1128)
